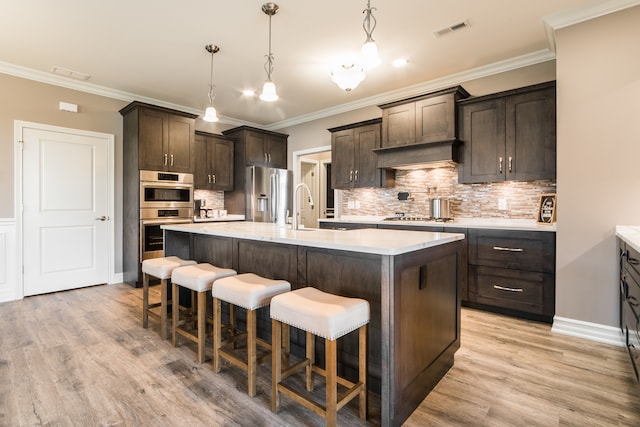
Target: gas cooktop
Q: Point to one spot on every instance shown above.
(417, 218)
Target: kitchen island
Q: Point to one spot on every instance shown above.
(412, 281)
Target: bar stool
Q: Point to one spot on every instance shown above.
(330, 317)
(160, 268)
(198, 278)
(250, 292)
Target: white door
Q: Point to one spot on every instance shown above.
(65, 209)
(309, 214)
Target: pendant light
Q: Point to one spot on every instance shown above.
(269, 88)
(210, 114)
(369, 52)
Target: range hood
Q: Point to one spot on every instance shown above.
(424, 155)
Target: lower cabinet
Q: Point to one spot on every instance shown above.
(513, 272)
(630, 303)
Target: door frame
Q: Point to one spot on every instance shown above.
(297, 173)
(18, 129)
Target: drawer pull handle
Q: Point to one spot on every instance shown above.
(500, 248)
(633, 261)
(504, 288)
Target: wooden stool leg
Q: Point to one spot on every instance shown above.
(362, 370)
(217, 334)
(202, 324)
(276, 363)
(145, 300)
(286, 343)
(175, 302)
(331, 370)
(194, 314)
(163, 308)
(311, 352)
(251, 352)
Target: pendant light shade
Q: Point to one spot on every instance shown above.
(269, 89)
(210, 114)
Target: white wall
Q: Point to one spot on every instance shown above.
(598, 97)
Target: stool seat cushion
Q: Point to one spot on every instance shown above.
(248, 290)
(323, 314)
(163, 267)
(199, 277)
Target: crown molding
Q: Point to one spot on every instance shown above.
(422, 88)
(580, 14)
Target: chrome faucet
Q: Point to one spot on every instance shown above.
(294, 220)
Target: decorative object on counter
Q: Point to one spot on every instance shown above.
(250, 292)
(547, 209)
(210, 114)
(269, 89)
(326, 316)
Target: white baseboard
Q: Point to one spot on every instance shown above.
(117, 278)
(591, 331)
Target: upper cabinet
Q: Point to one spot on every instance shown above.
(258, 147)
(428, 118)
(353, 161)
(509, 135)
(213, 162)
(158, 138)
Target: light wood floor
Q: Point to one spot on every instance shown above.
(81, 358)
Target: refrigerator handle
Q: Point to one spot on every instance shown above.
(274, 197)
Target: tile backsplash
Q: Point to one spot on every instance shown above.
(520, 198)
(215, 199)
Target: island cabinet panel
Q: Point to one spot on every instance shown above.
(426, 321)
(214, 250)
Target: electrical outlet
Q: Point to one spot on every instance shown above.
(350, 204)
(357, 204)
(502, 204)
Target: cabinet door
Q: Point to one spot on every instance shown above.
(255, 149)
(201, 162)
(342, 164)
(399, 125)
(221, 160)
(180, 140)
(435, 119)
(277, 151)
(531, 135)
(484, 142)
(152, 139)
(366, 174)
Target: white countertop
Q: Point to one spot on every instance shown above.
(492, 223)
(630, 234)
(373, 241)
(219, 218)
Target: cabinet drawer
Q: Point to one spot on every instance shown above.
(518, 250)
(531, 292)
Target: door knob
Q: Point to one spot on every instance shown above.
(102, 218)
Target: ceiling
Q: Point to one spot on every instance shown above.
(154, 51)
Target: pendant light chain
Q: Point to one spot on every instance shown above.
(268, 66)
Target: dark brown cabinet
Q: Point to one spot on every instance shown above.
(512, 272)
(428, 118)
(630, 303)
(160, 139)
(353, 161)
(252, 147)
(213, 162)
(509, 136)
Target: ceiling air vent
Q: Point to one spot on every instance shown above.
(70, 73)
(451, 28)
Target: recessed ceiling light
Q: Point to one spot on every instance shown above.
(70, 73)
(399, 62)
(248, 92)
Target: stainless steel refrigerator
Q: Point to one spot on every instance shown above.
(268, 193)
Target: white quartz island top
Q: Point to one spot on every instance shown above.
(490, 223)
(373, 241)
(630, 234)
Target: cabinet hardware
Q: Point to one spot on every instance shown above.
(165, 159)
(266, 159)
(504, 288)
(269, 157)
(500, 164)
(500, 248)
(510, 159)
(356, 176)
(172, 160)
(351, 176)
(209, 178)
(214, 178)
(633, 261)
(633, 301)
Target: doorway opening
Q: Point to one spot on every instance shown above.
(313, 167)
